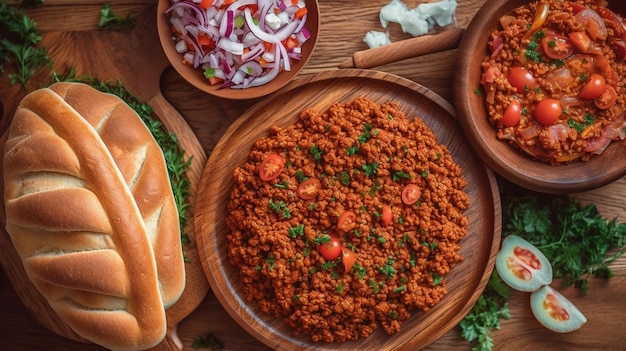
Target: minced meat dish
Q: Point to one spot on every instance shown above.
(347, 220)
(554, 79)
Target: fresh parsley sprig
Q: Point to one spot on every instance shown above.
(19, 44)
(577, 240)
(485, 316)
(110, 20)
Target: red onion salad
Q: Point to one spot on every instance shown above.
(242, 43)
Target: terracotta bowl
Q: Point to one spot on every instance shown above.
(195, 75)
(511, 164)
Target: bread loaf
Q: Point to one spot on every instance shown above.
(90, 211)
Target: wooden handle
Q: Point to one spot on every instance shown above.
(401, 50)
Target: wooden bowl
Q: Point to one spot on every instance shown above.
(515, 166)
(196, 78)
(464, 283)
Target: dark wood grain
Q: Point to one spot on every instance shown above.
(318, 92)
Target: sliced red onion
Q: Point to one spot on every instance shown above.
(300, 27)
(255, 52)
(230, 46)
(268, 76)
(226, 25)
(239, 51)
(251, 68)
(284, 58)
(273, 38)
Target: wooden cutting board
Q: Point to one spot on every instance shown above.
(135, 59)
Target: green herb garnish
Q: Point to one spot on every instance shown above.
(109, 20)
(208, 341)
(19, 45)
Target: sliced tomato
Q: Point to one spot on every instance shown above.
(330, 250)
(309, 189)
(521, 79)
(386, 216)
(594, 87)
(512, 114)
(291, 43)
(271, 166)
(547, 111)
(522, 266)
(581, 41)
(557, 46)
(619, 48)
(348, 258)
(577, 7)
(555, 312)
(347, 221)
(411, 194)
(607, 99)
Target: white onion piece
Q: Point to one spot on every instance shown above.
(273, 38)
(269, 76)
(231, 46)
(251, 68)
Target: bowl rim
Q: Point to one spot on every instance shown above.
(193, 76)
(506, 161)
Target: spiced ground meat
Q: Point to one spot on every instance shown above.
(554, 79)
(394, 252)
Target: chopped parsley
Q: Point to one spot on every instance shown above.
(280, 208)
(317, 153)
(370, 169)
(580, 126)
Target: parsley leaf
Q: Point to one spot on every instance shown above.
(109, 20)
(485, 316)
(19, 40)
(577, 240)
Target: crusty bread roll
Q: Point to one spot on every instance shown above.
(90, 211)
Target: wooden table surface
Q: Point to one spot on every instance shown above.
(344, 24)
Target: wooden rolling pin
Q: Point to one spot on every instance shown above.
(404, 49)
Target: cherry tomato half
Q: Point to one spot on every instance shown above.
(271, 166)
(330, 250)
(594, 87)
(557, 46)
(309, 189)
(547, 111)
(522, 266)
(521, 79)
(411, 193)
(347, 221)
(348, 258)
(512, 114)
(581, 41)
(555, 312)
(386, 216)
(607, 99)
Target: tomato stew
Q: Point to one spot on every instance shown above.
(554, 79)
(393, 255)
